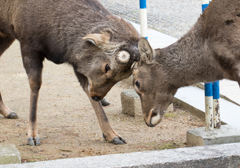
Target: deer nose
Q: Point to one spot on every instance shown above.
(155, 118)
(149, 125)
(96, 98)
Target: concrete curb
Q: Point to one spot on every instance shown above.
(201, 137)
(9, 154)
(222, 156)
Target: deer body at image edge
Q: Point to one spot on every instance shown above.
(209, 51)
(99, 46)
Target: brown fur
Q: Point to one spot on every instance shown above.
(81, 33)
(2, 35)
(210, 51)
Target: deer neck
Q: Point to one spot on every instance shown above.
(189, 60)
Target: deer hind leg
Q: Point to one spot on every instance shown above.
(238, 78)
(236, 74)
(33, 65)
(108, 132)
(5, 42)
(5, 111)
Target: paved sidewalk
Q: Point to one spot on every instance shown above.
(231, 90)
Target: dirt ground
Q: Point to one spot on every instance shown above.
(67, 124)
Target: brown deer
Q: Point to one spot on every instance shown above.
(99, 46)
(209, 51)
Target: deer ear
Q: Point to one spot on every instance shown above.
(99, 39)
(145, 50)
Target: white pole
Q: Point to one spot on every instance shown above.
(143, 18)
(209, 112)
(216, 108)
(209, 106)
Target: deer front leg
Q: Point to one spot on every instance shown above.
(33, 138)
(108, 133)
(33, 65)
(5, 111)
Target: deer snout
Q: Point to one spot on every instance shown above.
(153, 118)
(96, 98)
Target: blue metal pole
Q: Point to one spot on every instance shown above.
(205, 4)
(143, 18)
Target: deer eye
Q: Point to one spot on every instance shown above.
(107, 68)
(138, 84)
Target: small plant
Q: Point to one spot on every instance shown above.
(168, 145)
(170, 115)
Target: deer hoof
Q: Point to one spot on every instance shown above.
(34, 141)
(105, 102)
(30, 141)
(12, 115)
(37, 141)
(116, 140)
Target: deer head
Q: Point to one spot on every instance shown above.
(150, 80)
(108, 60)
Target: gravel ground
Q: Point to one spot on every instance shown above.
(172, 17)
